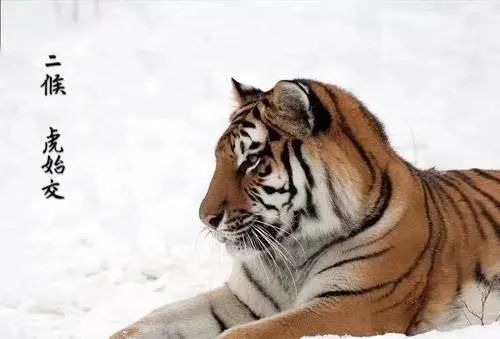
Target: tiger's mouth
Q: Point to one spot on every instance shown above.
(252, 237)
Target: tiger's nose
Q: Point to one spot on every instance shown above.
(212, 220)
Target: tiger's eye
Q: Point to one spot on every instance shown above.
(252, 158)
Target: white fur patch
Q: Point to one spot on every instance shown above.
(475, 306)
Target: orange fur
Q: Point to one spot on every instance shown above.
(443, 228)
(437, 245)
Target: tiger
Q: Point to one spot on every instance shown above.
(331, 231)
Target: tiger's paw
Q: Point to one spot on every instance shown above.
(126, 333)
(134, 332)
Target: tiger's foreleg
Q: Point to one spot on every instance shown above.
(319, 317)
(204, 316)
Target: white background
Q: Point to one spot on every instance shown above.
(149, 93)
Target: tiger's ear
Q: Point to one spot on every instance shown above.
(244, 93)
(291, 98)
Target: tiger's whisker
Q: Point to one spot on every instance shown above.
(290, 257)
(260, 259)
(285, 231)
(268, 253)
(279, 252)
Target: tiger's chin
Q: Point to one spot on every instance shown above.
(239, 251)
(250, 240)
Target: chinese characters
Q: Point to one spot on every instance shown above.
(53, 84)
(54, 164)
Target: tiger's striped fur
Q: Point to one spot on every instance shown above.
(333, 232)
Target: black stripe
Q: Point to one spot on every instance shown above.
(491, 220)
(244, 111)
(273, 135)
(430, 224)
(377, 212)
(486, 175)
(442, 224)
(247, 124)
(255, 197)
(399, 302)
(310, 208)
(276, 128)
(250, 311)
(427, 245)
(469, 182)
(295, 223)
(359, 258)
(313, 258)
(384, 197)
(256, 112)
(350, 135)
(337, 205)
(266, 151)
(479, 275)
(219, 321)
(254, 145)
(261, 289)
(343, 293)
(285, 159)
(467, 201)
(452, 202)
(297, 148)
(244, 166)
(375, 215)
(386, 233)
(231, 141)
(321, 115)
(272, 190)
(458, 287)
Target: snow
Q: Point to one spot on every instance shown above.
(486, 332)
(149, 93)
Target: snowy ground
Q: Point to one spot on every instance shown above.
(491, 331)
(148, 94)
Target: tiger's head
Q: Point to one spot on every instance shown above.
(290, 165)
